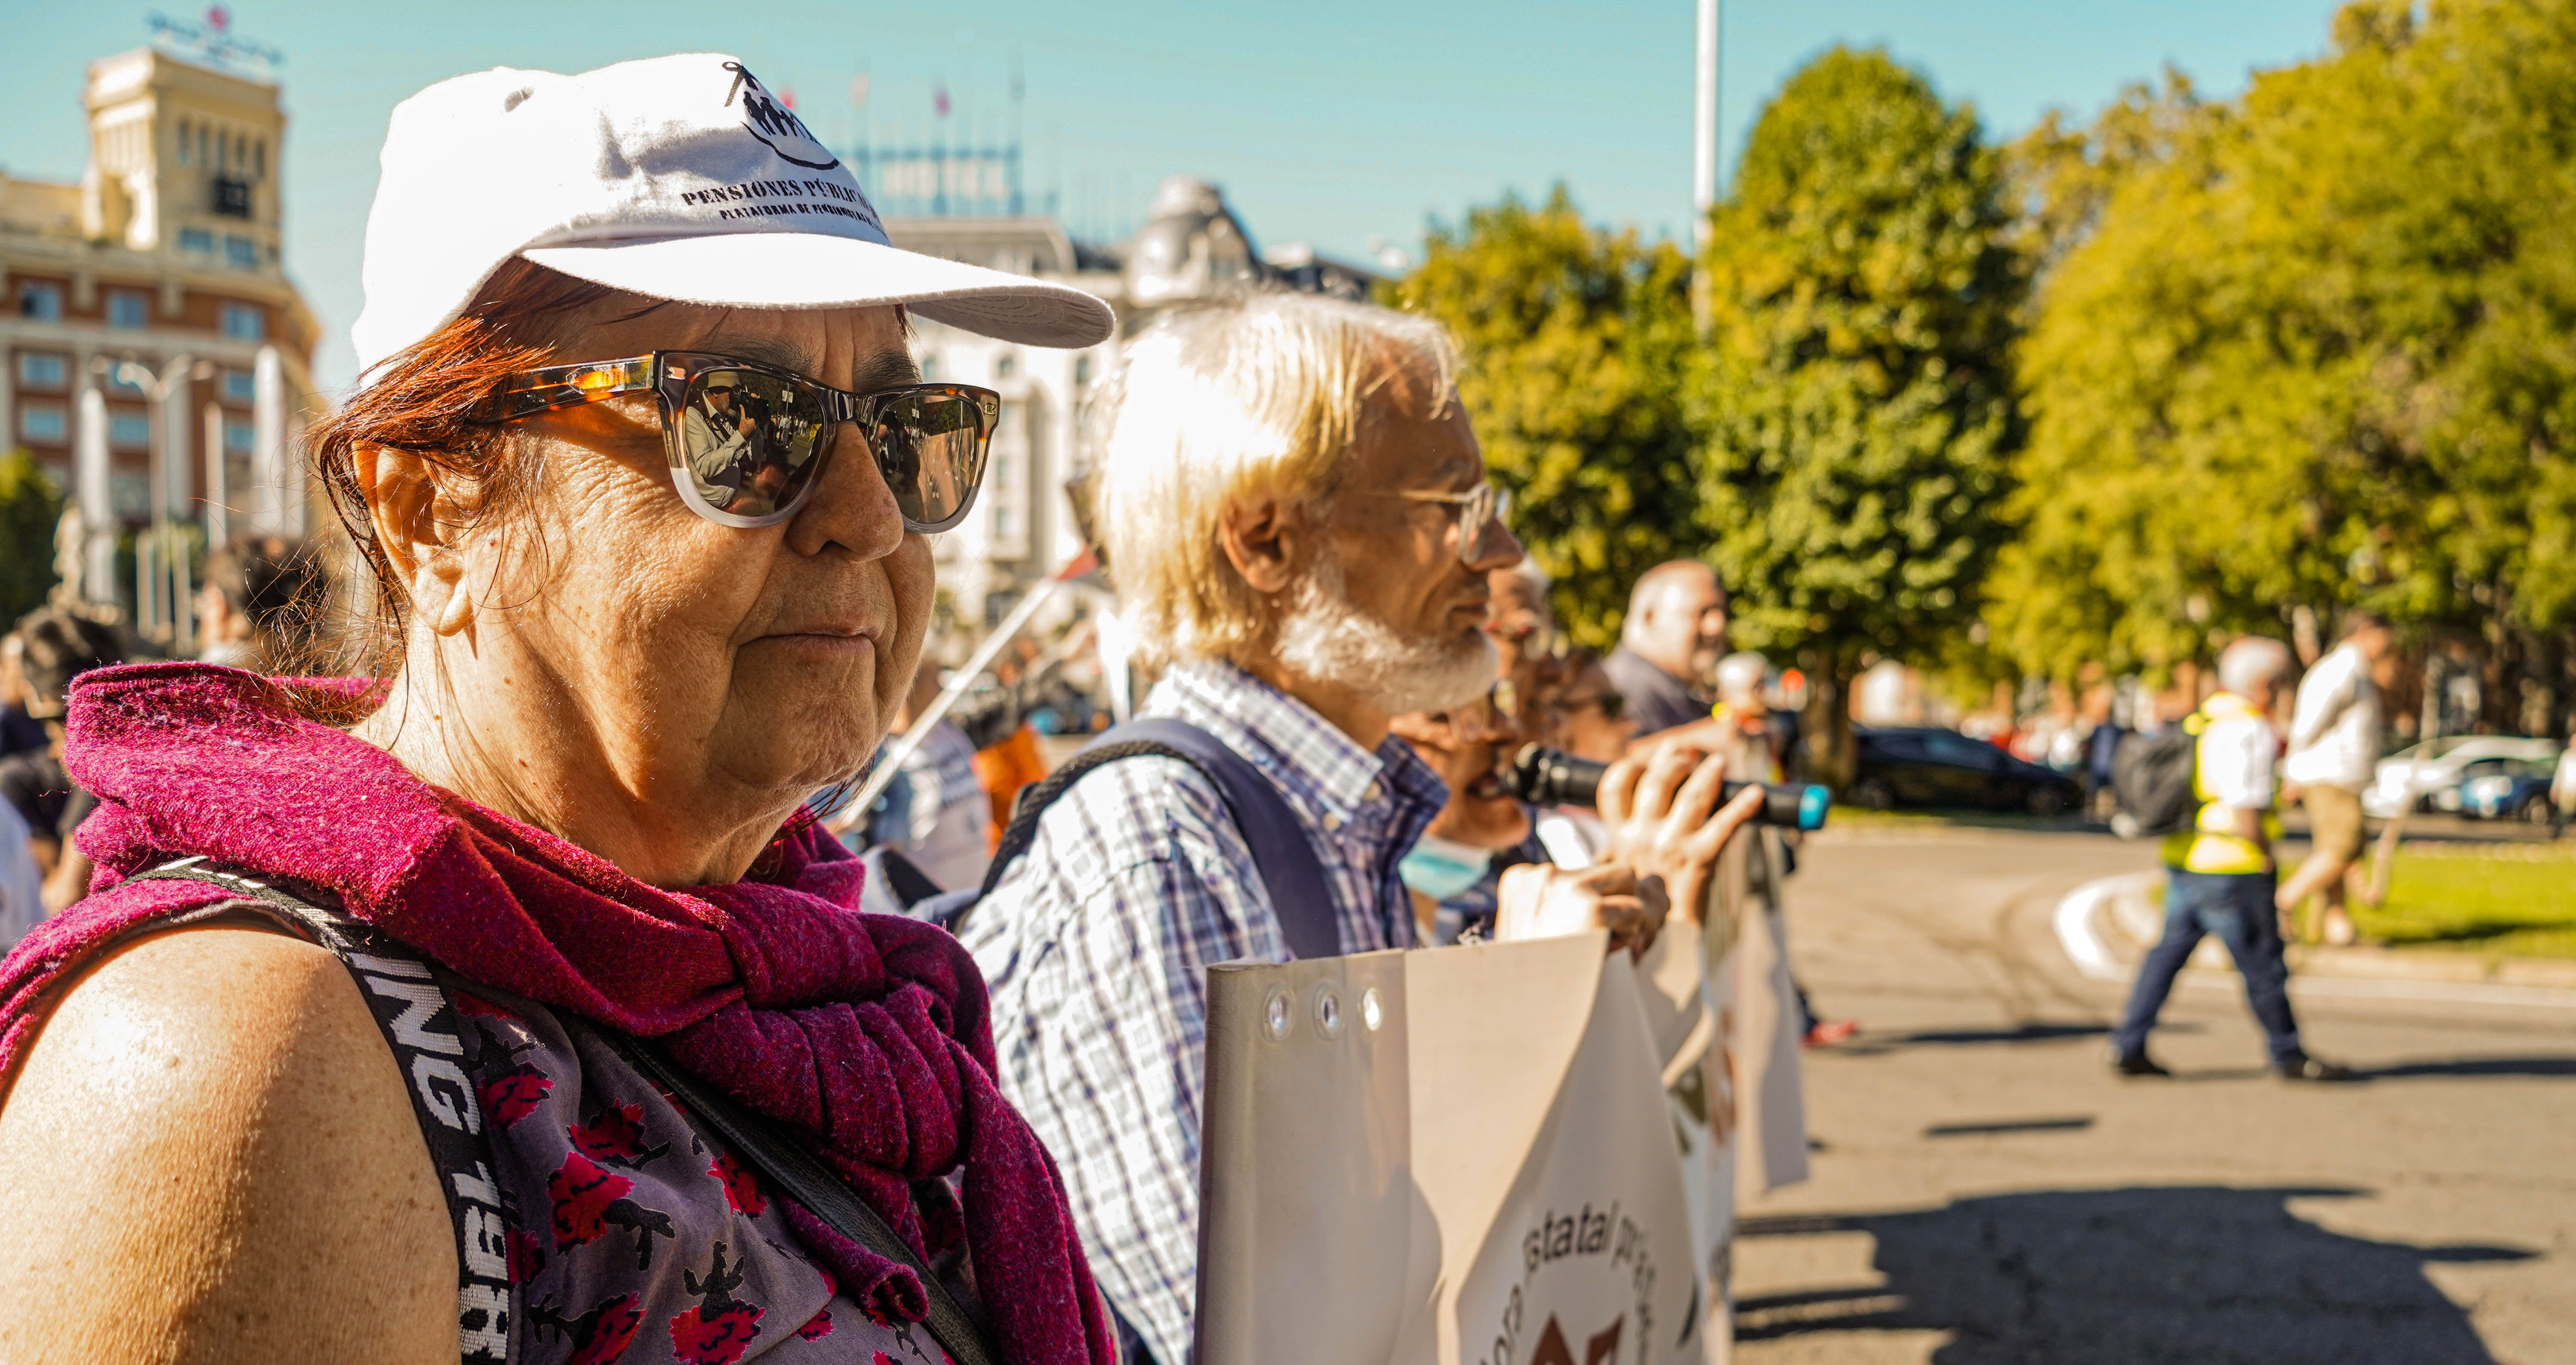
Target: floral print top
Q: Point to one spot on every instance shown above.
(640, 1240)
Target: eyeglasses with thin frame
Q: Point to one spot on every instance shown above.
(747, 443)
(1480, 510)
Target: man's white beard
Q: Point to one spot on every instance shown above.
(1326, 639)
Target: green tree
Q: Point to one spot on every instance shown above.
(29, 507)
(2318, 348)
(1856, 392)
(1574, 339)
(2060, 179)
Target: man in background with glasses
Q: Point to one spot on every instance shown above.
(1295, 511)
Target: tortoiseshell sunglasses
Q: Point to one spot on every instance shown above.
(747, 443)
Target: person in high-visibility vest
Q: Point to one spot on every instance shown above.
(2220, 873)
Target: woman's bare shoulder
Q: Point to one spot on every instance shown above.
(209, 1146)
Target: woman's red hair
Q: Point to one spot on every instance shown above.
(422, 402)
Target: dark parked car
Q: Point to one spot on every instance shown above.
(1927, 766)
(2507, 789)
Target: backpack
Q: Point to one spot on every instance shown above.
(1281, 854)
(2153, 777)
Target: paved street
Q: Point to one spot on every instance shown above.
(1985, 1192)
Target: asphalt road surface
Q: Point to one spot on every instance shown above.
(1985, 1191)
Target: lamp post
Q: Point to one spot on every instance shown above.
(1704, 123)
(163, 609)
(1712, 17)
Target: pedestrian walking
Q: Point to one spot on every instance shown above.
(2334, 745)
(504, 1005)
(2219, 869)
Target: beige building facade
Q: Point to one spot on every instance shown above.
(154, 358)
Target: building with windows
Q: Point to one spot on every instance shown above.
(1022, 527)
(157, 360)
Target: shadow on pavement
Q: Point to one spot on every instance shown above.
(1999, 1127)
(2132, 1277)
(1879, 1044)
(2476, 1066)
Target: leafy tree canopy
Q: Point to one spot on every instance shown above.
(2317, 348)
(29, 507)
(1573, 339)
(1856, 392)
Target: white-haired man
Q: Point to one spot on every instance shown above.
(2220, 874)
(1295, 511)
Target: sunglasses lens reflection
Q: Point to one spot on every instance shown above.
(930, 444)
(750, 441)
(753, 442)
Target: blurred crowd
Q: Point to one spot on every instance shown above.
(258, 606)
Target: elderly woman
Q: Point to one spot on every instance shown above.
(450, 1017)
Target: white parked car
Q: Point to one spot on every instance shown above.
(2427, 776)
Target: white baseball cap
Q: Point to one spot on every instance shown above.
(675, 178)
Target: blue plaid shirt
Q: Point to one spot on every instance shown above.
(1095, 946)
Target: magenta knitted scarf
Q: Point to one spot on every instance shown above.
(867, 1035)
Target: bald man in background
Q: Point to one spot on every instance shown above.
(1669, 645)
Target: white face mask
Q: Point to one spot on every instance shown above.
(1441, 868)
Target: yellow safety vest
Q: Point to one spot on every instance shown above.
(2213, 844)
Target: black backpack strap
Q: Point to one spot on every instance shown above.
(1281, 853)
(420, 1024)
(795, 1169)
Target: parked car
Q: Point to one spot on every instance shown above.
(2427, 776)
(2507, 789)
(1928, 766)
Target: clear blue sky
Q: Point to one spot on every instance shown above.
(1332, 121)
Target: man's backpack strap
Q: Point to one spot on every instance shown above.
(1281, 853)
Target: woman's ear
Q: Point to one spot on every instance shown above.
(413, 524)
(1264, 540)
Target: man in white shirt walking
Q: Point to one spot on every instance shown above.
(2334, 753)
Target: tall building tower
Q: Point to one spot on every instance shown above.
(157, 360)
